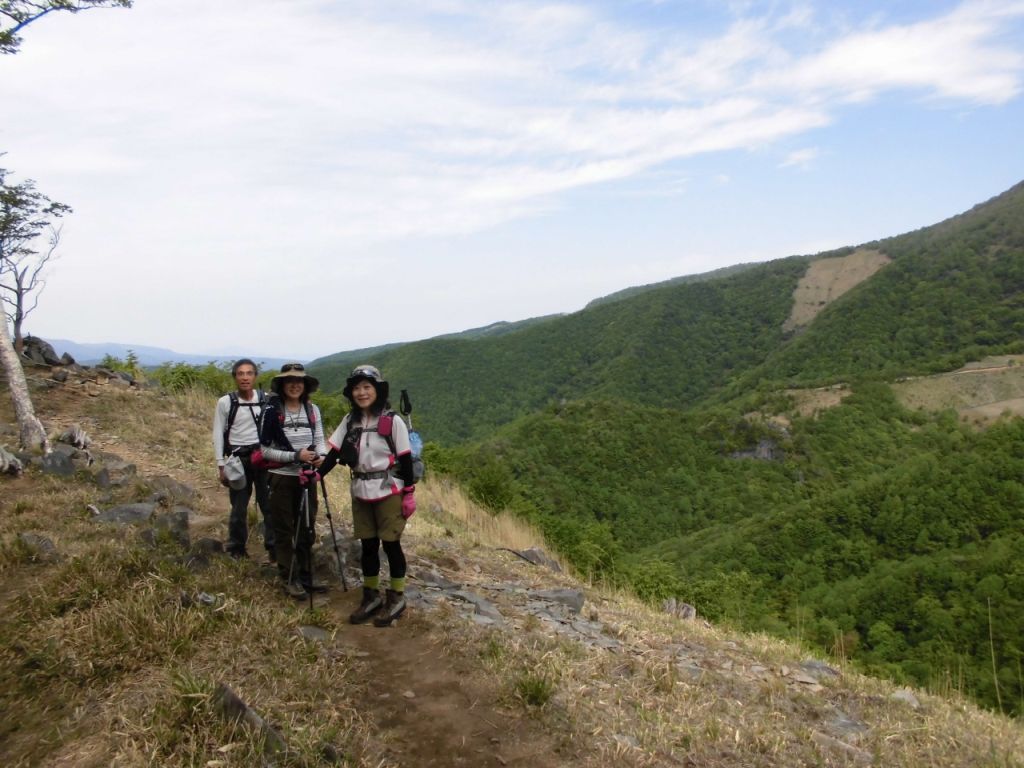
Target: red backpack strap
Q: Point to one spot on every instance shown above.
(385, 423)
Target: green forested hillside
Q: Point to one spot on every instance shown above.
(954, 292)
(668, 347)
(891, 537)
(885, 535)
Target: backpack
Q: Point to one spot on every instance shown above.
(235, 404)
(385, 425)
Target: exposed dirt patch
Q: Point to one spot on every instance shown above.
(981, 392)
(432, 707)
(828, 279)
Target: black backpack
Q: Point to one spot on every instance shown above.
(260, 400)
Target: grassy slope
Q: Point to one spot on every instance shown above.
(101, 664)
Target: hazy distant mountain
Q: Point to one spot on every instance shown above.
(89, 354)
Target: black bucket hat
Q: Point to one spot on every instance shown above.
(371, 374)
(294, 371)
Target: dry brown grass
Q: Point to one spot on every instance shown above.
(101, 662)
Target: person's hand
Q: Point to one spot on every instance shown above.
(317, 461)
(408, 501)
(307, 456)
(223, 479)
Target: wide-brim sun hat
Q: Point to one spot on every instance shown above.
(368, 373)
(294, 371)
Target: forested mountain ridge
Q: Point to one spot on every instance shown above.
(889, 536)
(951, 293)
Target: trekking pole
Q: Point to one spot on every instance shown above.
(334, 538)
(309, 540)
(303, 516)
(405, 406)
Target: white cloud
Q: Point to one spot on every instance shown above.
(244, 132)
(800, 158)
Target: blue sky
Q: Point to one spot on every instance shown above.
(293, 179)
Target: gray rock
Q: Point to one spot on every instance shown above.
(233, 709)
(846, 725)
(60, 374)
(9, 463)
(175, 523)
(819, 669)
(127, 513)
(907, 697)
(166, 488)
(573, 598)
(58, 463)
(208, 546)
(67, 359)
(483, 606)
(111, 470)
(538, 556)
(679, 609)
(40, 548)
(39, 351)
(315, 634)
(433, 578)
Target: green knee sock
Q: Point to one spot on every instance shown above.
(371, 582)
(398, 584)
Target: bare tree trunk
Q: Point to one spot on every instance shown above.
(32, 434)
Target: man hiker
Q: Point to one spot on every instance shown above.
(236, 430)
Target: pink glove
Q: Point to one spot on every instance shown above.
(408, 502)
(307, 476)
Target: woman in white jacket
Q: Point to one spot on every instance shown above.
(374, 442)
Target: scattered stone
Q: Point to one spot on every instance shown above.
(40, 548)
(315, 634)
(208, 546)
(907, 697)
(67, 359)
(409, 695)
(59, 375)
(483, 606)
(679, 609)
(9, 463)
(573, 598)
(845, 724)
(233, 709)
(819, 669)
(111, 470)
(210, 601)
(127, 513)
(173, 522)
(38, 351)
(166, 488)
(433, 578)
(826, 742)
(58, 462)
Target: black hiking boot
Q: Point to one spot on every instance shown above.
(371, 602)
(393, 608)
(312, 583)
(296, 590)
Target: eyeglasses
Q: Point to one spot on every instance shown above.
(292, 367)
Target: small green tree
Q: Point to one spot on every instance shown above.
(15, 15)
(26, 218)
